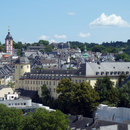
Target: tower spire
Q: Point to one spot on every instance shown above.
(8, 28)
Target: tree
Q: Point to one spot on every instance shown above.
(46, 97)
(42, 119)
(124, 95)
(10, 118)
(11, 84)
(104, 86)
(43, 42)
(77, 98)
(122, 78)
(123, 57)
(48, 48)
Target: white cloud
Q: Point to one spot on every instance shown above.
(60, 36)
(44, 37)
(53, 41)
(111, 20)
(71, 13)
(84, 35)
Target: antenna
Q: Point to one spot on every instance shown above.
(8, 28)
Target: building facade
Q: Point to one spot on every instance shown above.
(33, 80)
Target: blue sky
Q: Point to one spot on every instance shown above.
(65, 20)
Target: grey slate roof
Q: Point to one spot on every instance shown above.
(122, 67)
(49, 74)
(6, 70)
(84, 123)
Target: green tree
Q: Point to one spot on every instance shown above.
(108, 94)
(122, 78)
(46, 97)
(11, 84)
(10, 118)
(43, 42)
(41, 119)
(124, 95)
(123, 57)
(48, 48)
(77, 98)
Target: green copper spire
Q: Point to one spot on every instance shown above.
(85, 55)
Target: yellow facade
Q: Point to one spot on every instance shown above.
(20, 69)
(35, 84)
(2, 81)
(92, 80)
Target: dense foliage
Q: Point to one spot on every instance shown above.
(124, 95)
(108, 93)
(77, 98)
(41, 119)
(81, 98)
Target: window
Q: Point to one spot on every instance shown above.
(102, 73)
(107, 73)
(111, 73)
(115, 72)
(97, 73)
(127, 72)
(119, 72)
(41, 82)
(53, 82)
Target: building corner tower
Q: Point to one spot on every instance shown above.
(22, 66)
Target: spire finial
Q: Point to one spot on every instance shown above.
(8, 28)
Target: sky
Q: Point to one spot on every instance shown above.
(65, 20)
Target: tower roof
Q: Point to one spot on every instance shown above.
(22, 59)
(8, 36)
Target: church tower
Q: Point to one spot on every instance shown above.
(9, 43)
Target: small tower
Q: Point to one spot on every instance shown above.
(9, 43)
(85, 54)
(22, 66)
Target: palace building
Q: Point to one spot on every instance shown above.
(33, 80)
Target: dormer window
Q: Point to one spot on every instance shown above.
(115, 72)
(119, 72)
(127, 72)
(111, 73)
(107, 73)
(102, 73)
(97, 73)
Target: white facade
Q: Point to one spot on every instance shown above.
(9, 47)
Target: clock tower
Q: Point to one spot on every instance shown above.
(9, 43)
